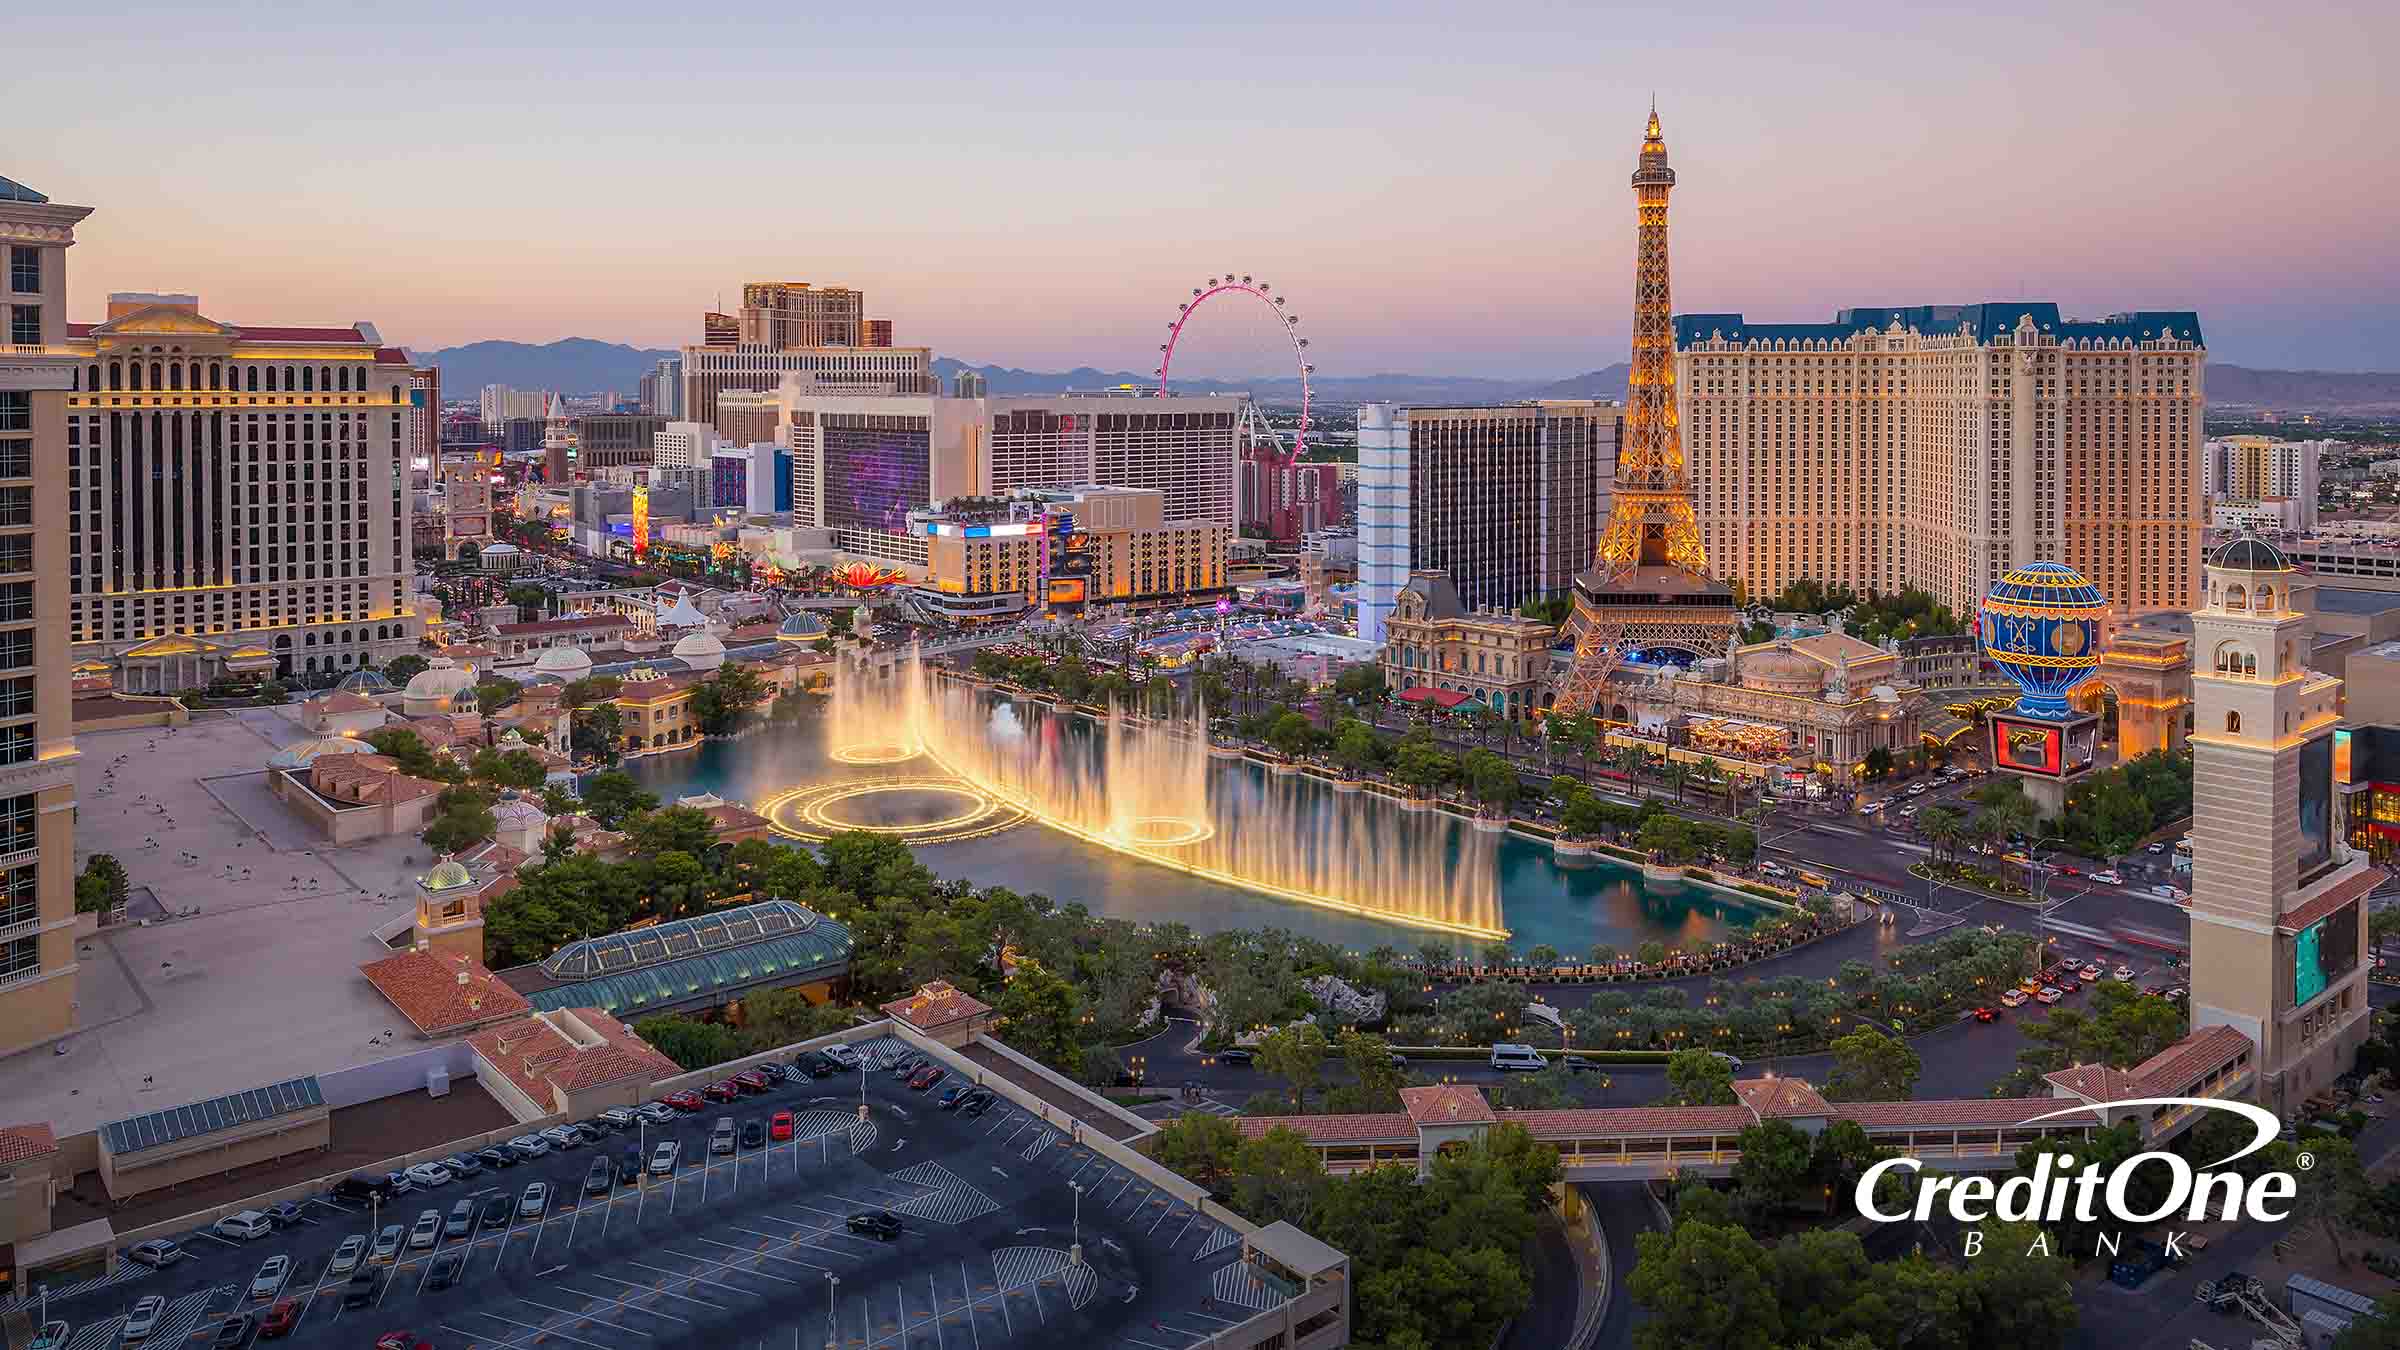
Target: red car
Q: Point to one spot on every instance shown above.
(721, 1091)
(751, 1080)
(2066, 871)
(401, 1340)
(686, 1100)
(1986, 1015)
(779, 1126)
(280, 1320)
(927, 1077)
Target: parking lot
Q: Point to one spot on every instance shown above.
(751, 1249)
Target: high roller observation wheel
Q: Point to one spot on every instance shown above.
(1264, 293)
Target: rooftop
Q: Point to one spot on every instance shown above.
(135, 1133)
(935, 1006)
(427, 990)
(1987, 320)
(13, 191)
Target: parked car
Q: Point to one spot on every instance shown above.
(2091, 971)
(751, 1080)
(157, 1253)
(618, 1118)
(722, 1091)
(427, 1230)
(362, 1287)
(686, 1101)
(497, 1212)
(664, 1157)
(1236, 1055)
(601, 1178)
(2154, 848)
(444, 1271)
(563, 1136)
(2124, 973)
(2070, 985)
(463, 1165)
(387, 1245)
(629, 1167)
(907, 1068)
(1519, 1057)
(234, 1330)
(247, 1226)
(144, 1318)
(720, 1139)
(284, 1213)
(953, 1095)
(779, 1128)
(2012, 998)
(927, 1077)
(1985, 1015)
(495, 1157)
(347, 1256)
(428, 1175)
(535, 1202)
(271, 1277)
(753, 1134)
(841, 1054)
(875, 1223)
(280, 1320)
(2050, 994)
(657, 1113)
(977, 1102)
(461, 1222)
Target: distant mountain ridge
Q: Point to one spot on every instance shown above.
(585, 365)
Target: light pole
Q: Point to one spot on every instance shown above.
(833, 1289)
(1075, 1252)
(862, 1089)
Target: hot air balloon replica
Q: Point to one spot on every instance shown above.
(2040, 624)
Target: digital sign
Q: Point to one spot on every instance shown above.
(2324, 952)
(2316, 804)
(2050, 749)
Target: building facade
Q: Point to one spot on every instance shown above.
(499, 404)
(2261, 468)
(236, 492)
(2278, 911)
(1431, 640)
(1939, 446)
(39, 375)
(1507, 501)
(989, 558)
(609, 440)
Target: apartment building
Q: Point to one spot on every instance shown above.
(2248, 472)
(236, 501)
(1938, 446)
(37, 745)
(1507, 500)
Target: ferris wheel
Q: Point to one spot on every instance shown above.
(1264, 294)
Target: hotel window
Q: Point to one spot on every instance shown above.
(25, 325)
(25, 270)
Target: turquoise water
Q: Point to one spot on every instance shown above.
(1571, 903)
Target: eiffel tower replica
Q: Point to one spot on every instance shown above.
(1649, 585)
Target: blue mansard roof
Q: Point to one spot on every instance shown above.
(1986, 320)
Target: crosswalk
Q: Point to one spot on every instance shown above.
(948, 1199)
(174, 1324)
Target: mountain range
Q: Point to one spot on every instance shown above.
(585, 365)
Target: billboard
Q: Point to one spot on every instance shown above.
(2316, 804)
(2324, 952)
(2033, 745)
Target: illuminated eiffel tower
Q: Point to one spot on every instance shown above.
(1649, 586)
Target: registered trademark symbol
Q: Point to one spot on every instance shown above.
(2305, 1161)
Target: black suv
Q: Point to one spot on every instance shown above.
(875, 1223)
(497, 1212)
(495, 1157)
(364, 1186)
(753, 1134)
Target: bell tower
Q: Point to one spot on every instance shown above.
(2278, 908)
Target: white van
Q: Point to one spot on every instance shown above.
(1518, 1057)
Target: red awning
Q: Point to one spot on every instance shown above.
(1444, 699)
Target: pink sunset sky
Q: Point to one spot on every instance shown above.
(1437, 188)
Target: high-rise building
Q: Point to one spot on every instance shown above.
(745, 416)
(243, 506)
(2261, 469)
(607, 440)
(1506, 500)
(789, 314)
(969, 384)
(680, 445)
(790, 328)
(499, 404)
(875, 333)
(667, 389)
(2278, 908)
(1284, 501)
(38, 377)
(424, 427)
(645, 392)
(1943, 445)
(720, 330)
(859, 465)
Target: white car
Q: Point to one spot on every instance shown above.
(143, 1319)
(2108, 878)
(2050, 994)
(247, 1226)
(428, 1175)
(841, 1054)
(2124, 973)
(535, 1202)
(347, 1256)
(1908, 812)
(657, 1113)
(2155, 848)
(2093, 971)
(2012, 998)
(271, 1276)
(427, 1232)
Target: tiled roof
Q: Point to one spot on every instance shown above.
(537, 1056)
(1771, 1098)
(2336, 895)
(2191, 1059)
(731, 817)
(1446, 1104)
(936, 1005)
(250, 334)
(23, 1143)
(1390, 1125)
(426, 990)
(2097, 1083)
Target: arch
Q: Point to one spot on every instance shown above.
(2249, 665)
(116, 375)
(1617, 713)
(2266, 598)
(157, 375)
(216, 376)
(312, 665)
(308, 380)
(270, 379)
(468, 552)
(324, 379)
(175, 375)
(133, 376)
(283, 642)
(308, 639)
(2233, 721)
(95, 376)
(253, 380)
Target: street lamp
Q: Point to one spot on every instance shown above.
(833, 1289)
(1075, 1252)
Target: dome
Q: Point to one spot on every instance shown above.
(2041, 626)
(2250, 554)
(299, 754)
(562, 661)
(441, 681)
(365, 682)
(1781, 670)
(700, 651)
(802, 626)
(447, 875)
(518, 812)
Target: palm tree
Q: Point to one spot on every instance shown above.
(1676, 773)
(1629, 760)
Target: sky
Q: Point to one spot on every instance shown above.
(1435, 188)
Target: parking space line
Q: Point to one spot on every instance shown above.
(626, 1303)
(1112, 1200)
(690, 1279)
(538, 1331)
(761, 1251)
(587, 1316)
(659, 1289)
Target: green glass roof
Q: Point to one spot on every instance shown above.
(678, 939)
(705, 977)
(11, 191)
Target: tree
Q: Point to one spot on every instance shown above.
(1200, 1145)
(1278, 1176)
(1038, 1011)
(597, 732)
(1296, 1054)
(1491, 779)
(779, 1017)
(691, 1044)
(492, 694)
(2334, 1193)
(507, 768)
(1542, 1091)
(1940, 826)
(612, 796)
(1775, 1166)
(1356, 747)
(462, 825)
(1699, 1078)
(1291, 735)
(720, 700)
(401, 669)
(2379, 1332)
(1878, 764)
(406, 750)
(1378, 1080)
(589, 690)
(673, 829)
(1706, 1288)
(1360, 685)
(1869, 1066)
(530, 600)
(2016, 1295)
(101, 886)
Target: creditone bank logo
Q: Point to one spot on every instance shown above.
(2057, 1188)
